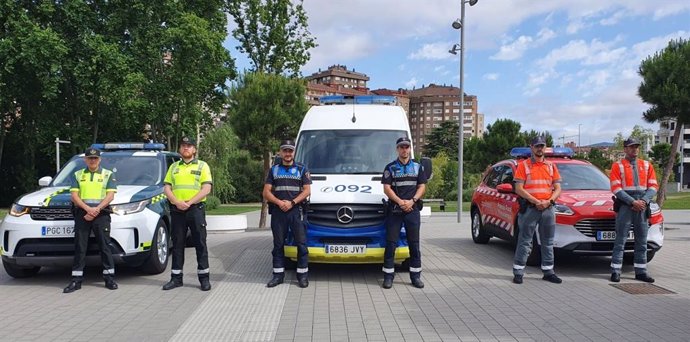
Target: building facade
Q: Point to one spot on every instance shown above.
(434, 104)
(336, 80)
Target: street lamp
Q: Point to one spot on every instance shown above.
(459, 24)
(57, 152)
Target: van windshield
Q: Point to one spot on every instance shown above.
(347, 151)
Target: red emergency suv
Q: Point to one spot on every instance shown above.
(585, 221)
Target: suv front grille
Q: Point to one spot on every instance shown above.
(363, 215)
(51, 213)
(589, 227)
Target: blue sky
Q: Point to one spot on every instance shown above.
(549, 64)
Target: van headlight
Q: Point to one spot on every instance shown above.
(563, 210)
(19, 210)
(655, 208)
(130, 208)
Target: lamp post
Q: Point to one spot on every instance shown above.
(578, 138)
(57, 152)
(459, 24)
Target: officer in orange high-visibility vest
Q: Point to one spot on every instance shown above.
(538, 183)
(633, 181)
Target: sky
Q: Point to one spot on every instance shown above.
(564, 66)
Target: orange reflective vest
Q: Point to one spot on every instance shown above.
(538, 177)
(624, 178)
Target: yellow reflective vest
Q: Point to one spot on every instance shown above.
(93, 186)
(186, 179)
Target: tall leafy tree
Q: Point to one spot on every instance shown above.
(273, 34)
(264, 109)
(443, 139)
(666, 88)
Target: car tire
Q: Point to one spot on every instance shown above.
(477, 227)
(159, 254)
(534, 258)
(15, 271)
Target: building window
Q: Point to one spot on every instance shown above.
(428, 125)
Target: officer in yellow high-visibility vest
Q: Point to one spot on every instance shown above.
(187, 184)
(93, 188)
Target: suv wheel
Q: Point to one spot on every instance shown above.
(478, 234)
(20, 272)
(160, 250)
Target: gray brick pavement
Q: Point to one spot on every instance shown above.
(468, 297)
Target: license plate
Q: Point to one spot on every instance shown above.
(346, 249)
(58, 231)
(611, 235)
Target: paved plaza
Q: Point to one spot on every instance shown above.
(468, 296)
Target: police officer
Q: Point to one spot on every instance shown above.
(404, 183)
(538, 183)
(287, 185)
(92, 190)
(633, 182)
(187, 184)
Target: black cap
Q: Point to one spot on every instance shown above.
(188, 141)
(92, 153)
(287, 144)
(631, 142)
(538, 140)
(403, 141)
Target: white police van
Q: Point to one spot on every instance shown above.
(38, 230)
(346, 143)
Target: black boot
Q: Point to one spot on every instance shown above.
(205, 283)
(615, 277)
(302, 280)
(73, 286)
(110, 282)
(387, 280)
(416, 278)
(175, 281)
(277, 279)
(644, 277)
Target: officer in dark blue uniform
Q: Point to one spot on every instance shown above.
(404, 182)
(287, 185)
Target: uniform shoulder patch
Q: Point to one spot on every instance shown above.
(386, 174)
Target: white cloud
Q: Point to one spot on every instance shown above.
(433, 51)
(513, 50)
(336, 48)
(490, 76)
(412, 83)
(614, 19)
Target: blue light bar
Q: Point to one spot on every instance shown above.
(129, 146)
(552, 152)
(359, 99)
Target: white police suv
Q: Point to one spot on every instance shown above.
(38, 231)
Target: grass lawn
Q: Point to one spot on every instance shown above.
(3, 212)
(680, 200)
(451, 206)
(234, 209)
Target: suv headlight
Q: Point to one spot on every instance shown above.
(19, 210)
(563, 210)
(130, 208)
(655, 209)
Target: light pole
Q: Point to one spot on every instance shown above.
(57, 152)
(578, 138)
(459, 24)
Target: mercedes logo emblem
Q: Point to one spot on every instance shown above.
(345, 214)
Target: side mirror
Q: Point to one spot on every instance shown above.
(505, 188)
(45, 181)
(426, 165)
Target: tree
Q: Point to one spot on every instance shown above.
(661, 153)
(596, 157)
(666, 87)
(273, 34)
(443, 139)
(264, 109)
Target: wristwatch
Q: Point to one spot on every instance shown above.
(552, 202)
(414, 200)
(293, 203)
